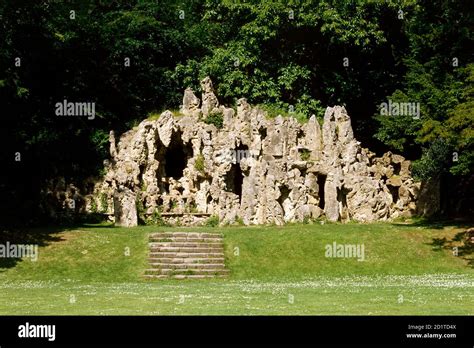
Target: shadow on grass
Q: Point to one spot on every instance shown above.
(460, 245)
(436, 224)
(27, 236)
(40, 236)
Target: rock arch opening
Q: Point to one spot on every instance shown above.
(234, 180)
(397, 167)
(176, 158)
(342, 199)
(394, 192)
(284, 198)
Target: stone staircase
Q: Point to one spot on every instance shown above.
(182, 255)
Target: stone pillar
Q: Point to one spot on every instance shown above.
(331, 205)
(209, 99)
(190, 103)
(125, 209)
(113, 147)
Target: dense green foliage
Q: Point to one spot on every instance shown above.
(215, 118)
(440, 76)
(136, 57)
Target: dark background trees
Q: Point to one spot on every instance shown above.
(277, 53)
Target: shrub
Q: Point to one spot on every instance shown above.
(93, 206)
(140, 209)
(192, 207)
(213, 221)
(104, 204)
(199, 163)
(156, 219)
(305, 154)
(215, 118)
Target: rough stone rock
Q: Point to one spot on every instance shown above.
(331, 208)
(209, 99)
(165, 127)
(125, 209)
(113, 148)
(191, 103)
(394, 181)
(254, 169)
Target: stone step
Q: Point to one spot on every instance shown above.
(182, 276)
(185, 255)
(185, 234)
(185, 244)
(179, 260)
(184, 271)
(193, 266)
(184, 239)
(185, 249)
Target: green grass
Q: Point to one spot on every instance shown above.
(153, 116)
(272, 111)
(408, 269)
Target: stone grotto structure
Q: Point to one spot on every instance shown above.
(250, 169)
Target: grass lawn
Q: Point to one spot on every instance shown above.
(97, 270)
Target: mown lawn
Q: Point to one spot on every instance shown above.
(408, 269)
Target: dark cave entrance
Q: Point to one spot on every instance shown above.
(241, 152)
(176, 157)
(284, 194)
(342, 198)
(321, 183)
(394, 192)
(234, 180)
(397, 167)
